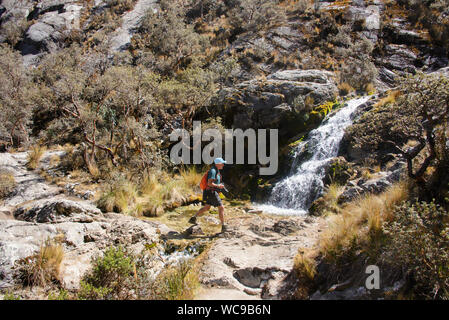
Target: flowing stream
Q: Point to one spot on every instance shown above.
(295, 194)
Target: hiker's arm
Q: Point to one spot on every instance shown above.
(210, 183)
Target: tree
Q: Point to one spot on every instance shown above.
(173, 42)
(106, 105)
(253, 15)
(15, 98)
(415, 125)
(423, 113)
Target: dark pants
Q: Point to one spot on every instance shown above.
(212, 198)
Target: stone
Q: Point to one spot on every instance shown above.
(57, 209)
(399, 57)
(350, 194)
(194, 230)
(285, 227)
(54, 19)
(272, 103)
(131, 20)
(339, 171)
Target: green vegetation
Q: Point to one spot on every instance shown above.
(16, 94)
(419, 243)
(119, 274)
(413, 124)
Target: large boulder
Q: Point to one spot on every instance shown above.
(278, 102)
(54, 21)
(57, 209)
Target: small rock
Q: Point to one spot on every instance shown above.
(254, 211)
(285, 227)
(251, 292)
(194, 230)
(229, 262)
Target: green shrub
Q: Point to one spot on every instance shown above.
(110, 276)
(420, 246)
(88, 291)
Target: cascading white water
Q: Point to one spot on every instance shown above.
(295, 194)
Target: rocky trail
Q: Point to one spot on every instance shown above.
(253, 259)
(250, 261)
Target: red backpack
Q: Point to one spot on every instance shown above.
(203, 183)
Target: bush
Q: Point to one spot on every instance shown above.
(180, 43)
(119, 196)
(359, 73)
(253, 15)
(120, 274)
(16, 93)
(176, 283)
(110, 277)
(420, 246)
(7, 183)
(34, 156)
(42, 268)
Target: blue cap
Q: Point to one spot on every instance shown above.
(219, 160)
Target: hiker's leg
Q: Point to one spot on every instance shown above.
(221, 214)
(202, 210)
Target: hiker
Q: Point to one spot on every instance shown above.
(212, 185)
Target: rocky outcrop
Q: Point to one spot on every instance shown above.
(278, 101)
(131, 20)
(57, 209)
(256, 255)
(81, 242)
(54, 21)
(29, 185)
(42, 211)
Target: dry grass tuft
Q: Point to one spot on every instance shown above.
(390, 98)
(120, 196)
(191, 178)
(7, 183)
(42, 268)
(361, 219)
(344, 89)
(34, 156)
(305, 269)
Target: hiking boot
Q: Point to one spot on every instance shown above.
(224, 228)
(192, 220)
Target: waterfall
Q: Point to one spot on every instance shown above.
(295, 194)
